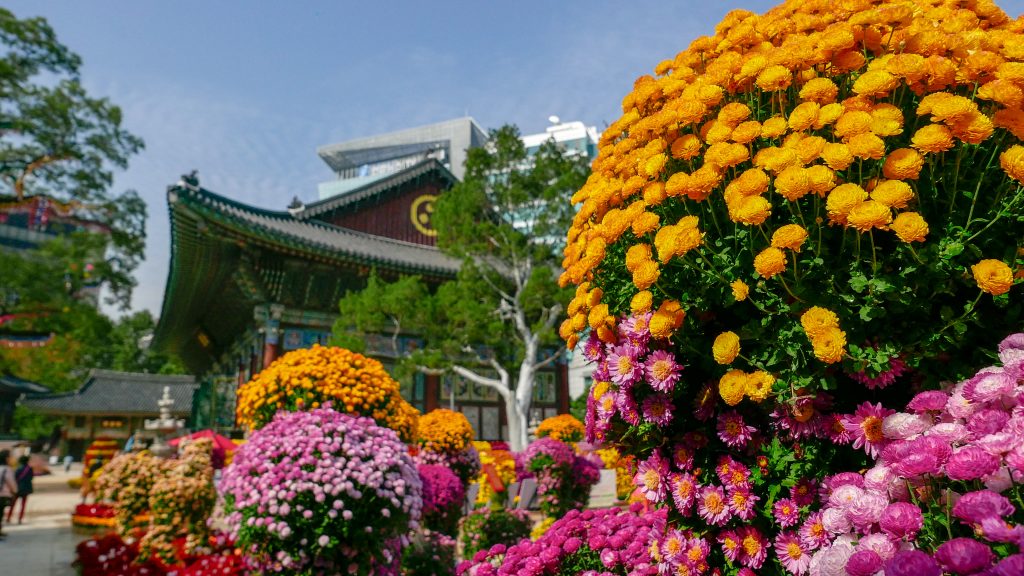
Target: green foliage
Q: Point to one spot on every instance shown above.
(486, 527)
(56, 140)
(504, 221)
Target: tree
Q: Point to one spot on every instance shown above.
(494, 324)
(59, 142)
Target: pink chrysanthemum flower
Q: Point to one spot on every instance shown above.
(684, 491)
(733, 430)
(866, 426)
(636, 330)
(673, 546)
(662, 370)
(897, 368)
(697, 554)
(593, 348)
(712, 505)
(786, 512)
(627, 408)
(755, 547)
(835, 429)
(624, 365)
(682, 456)
(732, 547)
(651, 477)
(794, 558)
(804, 491)
(813, 534)
(742, 501)
(658, 409)
(732, 473)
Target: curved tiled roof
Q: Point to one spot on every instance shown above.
(110, 392)
(327, 239)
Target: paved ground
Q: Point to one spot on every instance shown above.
(44, 545)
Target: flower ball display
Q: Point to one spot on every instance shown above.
(828, 189)
(306, 379)
(443, 498)
(321, 491)
(564, 427)
(445, 431)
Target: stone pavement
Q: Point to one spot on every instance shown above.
(44, 545)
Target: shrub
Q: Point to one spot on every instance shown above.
(429, 554)
(321, 490)
(486, 527)
(306, 379)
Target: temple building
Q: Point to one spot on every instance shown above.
(112, 405)
(247, 284)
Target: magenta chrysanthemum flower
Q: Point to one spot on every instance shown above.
(742, 501)
(836, 430)
(897, 368)
(929, 401)
(697, 550)
(863, 563)
(792, 554)
(912, 563)
(732, 473)
(673, 546)
(755, 546)
(593, 348)
(804, 491)
(732, 547)
(866, 425)
(901, 519)
(651, 477)
(988, 385)
(684, 491)
(733, 430)
(902, 426)
(626, 407)
(974, 507)
(786, 512)
(963, 556)
(624, 365)
(657, 409)
(662, 370)
(813, 534)
(971, 463)
(636, 330)
(682, 456)
(712, 506)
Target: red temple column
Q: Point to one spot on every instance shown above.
(562, 387)
(431, 391)
(270, 315)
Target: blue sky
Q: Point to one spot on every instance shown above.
(246, 91)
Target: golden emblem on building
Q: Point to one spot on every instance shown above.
(421, 212)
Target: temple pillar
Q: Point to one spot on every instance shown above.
(562, 387)
(270, 317)
(431, 391)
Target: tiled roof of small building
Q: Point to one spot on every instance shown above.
(110, 392)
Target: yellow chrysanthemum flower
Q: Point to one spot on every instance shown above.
(758, 385)
(646, 274)
(641, 302)
(637, 255)
(893, 193)
(993, 276)
(732, 386)
(933, 138)
(793, 183)
(770, 262)
(726, 347)
(740, 290)
(790, 236)
(1012, 162)
(667, 319)
(829, 345)
(815, 319)
(910, 227)
(903, 164)
(842, 199)
(820, 90)
(868, 215)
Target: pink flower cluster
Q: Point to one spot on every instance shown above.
(465, 464)
(935, 456)
(563, 478)
(320, 488)
(644, 379)
(595, 542)
(443, 497)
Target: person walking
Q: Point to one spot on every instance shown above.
(8, 487)
(23, 478)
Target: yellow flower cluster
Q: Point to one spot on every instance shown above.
(735, 384)
(308, 378)
(503, 463)
(816, 114)
(822, 328)
(445, 431)
(564, 427)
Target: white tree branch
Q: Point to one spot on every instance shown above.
(550, 359)
(468, 374)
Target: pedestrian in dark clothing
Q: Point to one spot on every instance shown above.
(23, 478)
